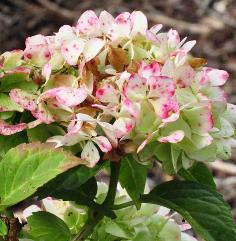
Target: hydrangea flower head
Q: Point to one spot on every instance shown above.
(113, 84)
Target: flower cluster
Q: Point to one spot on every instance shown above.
(111, 84)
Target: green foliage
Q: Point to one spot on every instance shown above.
(48, 227)
(3, 228)
(17, 80)
(169, 156)
(133, 176)
(199, 172)
(77, 184)
(27, 167)
(8, 142)
(43, 132)
(202, 207)
(83, 194)
(6, 104)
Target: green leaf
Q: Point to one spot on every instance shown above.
(43, 132)
(27, 167)
(132, 176)
(202, 207)
(70, 180)
(17, 80)
(83, 195)
(175, 153)
(77, 184)
(168, 156)
(6, 115)
(199, 172)
(179, 124)
(8, 142)
(3, 228)
(45, 226)
(6, 104)
(146, 155)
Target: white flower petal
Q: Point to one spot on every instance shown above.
(92, 48)
(90, 153)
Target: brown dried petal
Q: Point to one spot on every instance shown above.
(117, 58)
(133, 67)
(197, 62)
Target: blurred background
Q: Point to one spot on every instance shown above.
(211, 22)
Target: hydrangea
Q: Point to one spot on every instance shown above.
(111, 85)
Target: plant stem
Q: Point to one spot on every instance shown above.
(9, 213)
(95, 216)
(114, 176)
(123, 205)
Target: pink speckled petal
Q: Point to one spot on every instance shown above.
(136, 87)
(152, 32)
(103, 143)
(20, 69)
(147, 70)
(161, 87)
(8, 129)
(172, 117)
(200, 118)
(43, 114)
(184, 76)
(65, 32)
(87, 23)
(46, 71)
(123, 126)
(129, 108)
(152, 37)
(106, 21)
(215, 77)
(108, 94)
(109, 131)
(174, 137)
(165, 108)
(26, 100)
(37, 50)
(71, 50)
(66, 96)
(122, 26)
